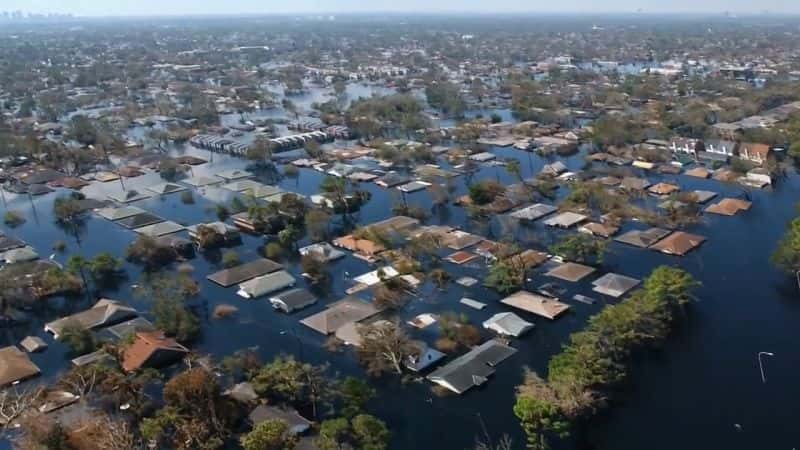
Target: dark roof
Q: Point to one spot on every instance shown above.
(472, 368)
(642, 238)
(104, 313)
(140, 220)
(244, 272)
(39, 189)
(90, 203)
(392, 179)
(294, 299)
(130, 327)
(42, 176)
(9, 243)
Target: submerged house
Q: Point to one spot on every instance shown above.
(339, 314)
(244, 272)
(104, 313)
(540, 305)
(508, 324)
(266, 284)
(533, 212)
(322, 251)
(614, 285)
(152, 349)
(292, 300)
(15, 366)
(473, 368)
(423, 357)
(678, 243)
(720, 147)
(226, 233)
(755, 153)
(361, 248)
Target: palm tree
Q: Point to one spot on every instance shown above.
(76, 264)
(512, 167)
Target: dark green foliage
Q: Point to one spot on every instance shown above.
(446, 97)
(787, 254)
(79, 339)
(485, 191)
(580, 248)
(596, 358)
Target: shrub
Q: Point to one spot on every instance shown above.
(13, 219)
(230, 259)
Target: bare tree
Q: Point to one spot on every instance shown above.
(13, 403)
(115, 434)
(80, 383)
(384, 347)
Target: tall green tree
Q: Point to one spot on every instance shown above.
(787, 254)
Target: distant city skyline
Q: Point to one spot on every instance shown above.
(216, 7)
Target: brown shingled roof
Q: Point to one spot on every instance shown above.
(678, 243)
(729, 206)
(151, 348)
(15, 366)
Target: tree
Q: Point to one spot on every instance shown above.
(580, 248)
(385, 347)
(335, 188)
(446, 96)
(314, 268)
(513, 168)
(175, 319)
(440, 277)
(456, 332)
(317, 223)
(260, 151)
(110, 434)
(287, 380)
(104, 267)
(82, 130)
(169, 293)
(78, 338)
(369, 432)
(333, 434)
(504, 276)
(273, 434)
(794, 151)
(363, 432)
(288, 236)
(787, 254)
(147, 251)
(538, 412)
(230, 259)
(354, 394)
(13, 219)
(208, 237)
(67, 209)
(222, 213)
(195, 414)
(14, 403)
(594, 359)
(76, 265)
(485, 191)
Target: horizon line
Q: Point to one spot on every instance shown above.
(509, 12)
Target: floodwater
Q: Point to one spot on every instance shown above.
(688, 394)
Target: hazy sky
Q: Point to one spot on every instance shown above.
(173, 7)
